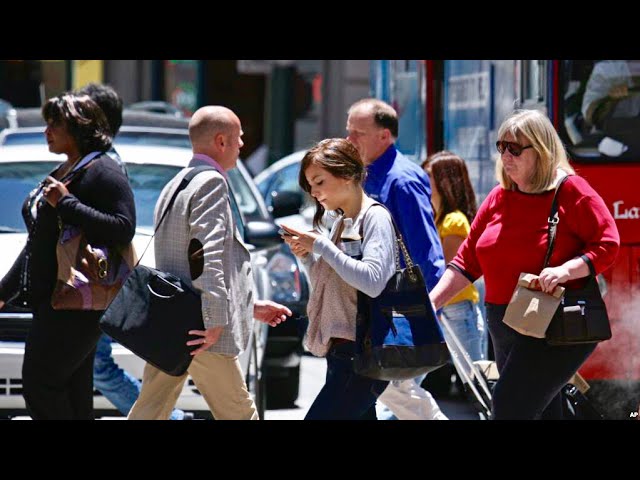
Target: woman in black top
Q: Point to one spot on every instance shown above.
(57, 372)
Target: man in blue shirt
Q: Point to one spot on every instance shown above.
(403, 187)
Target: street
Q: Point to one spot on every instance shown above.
(313, 370)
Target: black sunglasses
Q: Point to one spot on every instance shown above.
(515, 149)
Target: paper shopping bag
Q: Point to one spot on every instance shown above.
(530, 310)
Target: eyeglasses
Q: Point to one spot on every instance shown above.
(515, 149)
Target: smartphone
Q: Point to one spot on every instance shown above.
(282, 231)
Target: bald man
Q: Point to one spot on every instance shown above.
(199, 242)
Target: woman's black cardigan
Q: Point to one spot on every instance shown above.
(100, 201)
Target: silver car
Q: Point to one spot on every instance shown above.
(153, 156)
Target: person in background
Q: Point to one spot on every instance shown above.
(60, 347)
(454, 203)
(117, 385)
(332, 172)
(612, 92)
(403, 187)
(509, 235)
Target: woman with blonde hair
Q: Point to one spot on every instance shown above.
(509, 235)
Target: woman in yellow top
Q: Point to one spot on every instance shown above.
(454, 204)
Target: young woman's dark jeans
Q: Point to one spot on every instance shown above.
(345, 394)
(532, 373)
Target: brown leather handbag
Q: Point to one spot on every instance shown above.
(89, 276)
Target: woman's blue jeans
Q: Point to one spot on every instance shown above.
(468, 325)
(345, 394)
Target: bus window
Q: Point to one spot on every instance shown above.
(533, 83)
(401, 84)
(602, 109)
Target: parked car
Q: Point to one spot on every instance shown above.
(285, 200)
(153, 156)
(157, 107)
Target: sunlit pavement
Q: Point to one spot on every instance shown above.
(312, 376)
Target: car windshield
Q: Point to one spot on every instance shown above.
(165, 139)
(17, 179)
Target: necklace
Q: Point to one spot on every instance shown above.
(67, 167)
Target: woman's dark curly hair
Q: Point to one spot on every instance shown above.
(340, 158)
(84, 119)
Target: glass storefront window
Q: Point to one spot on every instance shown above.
(181, 84)
(401, 84)
(29, 83)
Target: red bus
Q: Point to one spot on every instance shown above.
(595, 106)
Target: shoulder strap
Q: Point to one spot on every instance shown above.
(183, 184)
(82, 165)
(399, 243)
(552, 222)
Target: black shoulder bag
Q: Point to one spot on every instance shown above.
(582, 314)
(154, 311)
(397, 333)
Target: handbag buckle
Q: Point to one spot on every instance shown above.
(582, 305)
(103, 267)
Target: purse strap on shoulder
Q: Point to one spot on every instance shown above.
(552, 222)
(400, 245)
(183, 184)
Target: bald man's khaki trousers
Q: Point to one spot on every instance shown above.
(218, 378)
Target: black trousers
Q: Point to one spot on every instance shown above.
(532, 373)
(57, 373)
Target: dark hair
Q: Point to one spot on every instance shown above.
(337, 156)
(83, 118)
(108, 100)
(452, 181)
(384, 115)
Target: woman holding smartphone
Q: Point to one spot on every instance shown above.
(332, 172)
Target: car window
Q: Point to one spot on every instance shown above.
(247, 203)
(286, 180)
(123, 138)
(155, 138)
(147, 181)
(25, 138)
(17, 179)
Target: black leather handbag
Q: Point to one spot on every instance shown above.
(397, 333)
(151, 316)
(582, 315)
(154, 311)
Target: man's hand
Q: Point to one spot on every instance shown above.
(619, 91)
(270, 312)
(209, 337)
